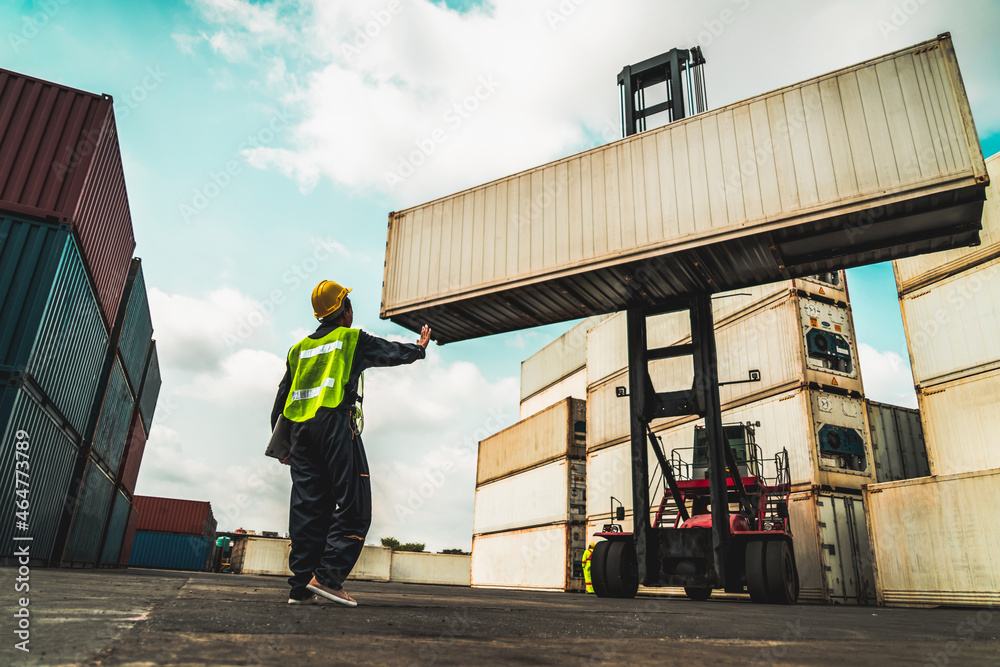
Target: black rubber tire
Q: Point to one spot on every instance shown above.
(622, 570)
(599, 568)
(756, 571)
(698, 594)
(782, 578)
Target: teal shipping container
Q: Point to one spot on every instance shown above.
(46, 463)
(113, 421)
(92, 508)
(117, 524)
(136, 326)
(171, 551)
(151, 384)
(50, 322)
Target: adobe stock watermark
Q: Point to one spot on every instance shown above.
(899, 16)
(221, 178)
(564, 11)
(32, 24)
(714, 27)
(298, 273)
(153, 76)
(453, 118)
(365, 34)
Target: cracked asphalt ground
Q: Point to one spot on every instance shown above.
(153, 617)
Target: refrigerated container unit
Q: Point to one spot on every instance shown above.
(543, 558)
(897, 441)
(60, 160)
(931, 544)
(175, 515)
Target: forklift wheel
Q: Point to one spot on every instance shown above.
(622, 570)
(782, 577)
(598, 568)
(698, 594)
(756, 582)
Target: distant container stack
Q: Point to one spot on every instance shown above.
(930, 544)
(74, 323)
(173, 534)
(531, 481)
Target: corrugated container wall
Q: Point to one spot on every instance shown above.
(934, 540)
(150, 391)
(546, 558)
(553, 493)
(171, 551)
(670, 212)
(897, 442)
(137, 327)
(69, 353)
(117, 525)
(130, 528)
(557, 432)
(174, 515)
(573, 386)
(961, 422)
(410, 567)
(60, 159)
(52, 457)
(133, 456)
(265, 555)
(915, 273)
(30, 254)
(84, 543)
(559, 359)
(113, 422)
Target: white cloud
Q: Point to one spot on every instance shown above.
(247, 377)
(887, 377)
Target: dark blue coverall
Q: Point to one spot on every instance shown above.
(331, 507)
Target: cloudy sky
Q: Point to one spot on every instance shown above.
(264, 146)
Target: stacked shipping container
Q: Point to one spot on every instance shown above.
(929, 547)
(67, 364)
(173, 534)
(528, 525)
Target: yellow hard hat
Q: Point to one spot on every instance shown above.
(327, 298)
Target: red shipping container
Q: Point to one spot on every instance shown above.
(60, 161)
(133, 522)
(134, 447)
(173, 515)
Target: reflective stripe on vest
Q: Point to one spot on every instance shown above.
(320, 369)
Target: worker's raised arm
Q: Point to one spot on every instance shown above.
(380, 353)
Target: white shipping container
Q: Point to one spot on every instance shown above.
(807, 423)
(546, 558)
(266, 555)
(552, 493)
(574, 386)
(887, 147)
(897, 441)
(427, 568)
(951, 326)
(553, 433)
(914, 273)
(780, 339)
(934, 540)
(556, 361)
(832, 554)
(375, 564)
(961, 421)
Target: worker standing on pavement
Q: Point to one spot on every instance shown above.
(586, 567)
(331, 505)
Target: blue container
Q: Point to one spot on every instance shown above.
(51, 459)
(136, 327)
(113, 421)
(117, 524)
(151, 384)
(29, 258)
(72, 343)
(171, 551)
(93, 505)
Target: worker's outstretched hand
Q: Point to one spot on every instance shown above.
(425, 337)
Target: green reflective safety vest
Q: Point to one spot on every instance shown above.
(320, 369)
